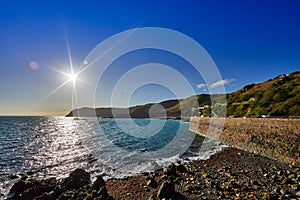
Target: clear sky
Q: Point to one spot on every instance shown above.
(250, 42)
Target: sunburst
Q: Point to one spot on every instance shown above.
(72, 76)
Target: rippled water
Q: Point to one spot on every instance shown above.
(44, 147)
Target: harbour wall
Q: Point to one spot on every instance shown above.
(274, 138)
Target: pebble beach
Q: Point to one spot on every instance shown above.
(229, 174)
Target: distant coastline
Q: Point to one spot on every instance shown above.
(278, 97)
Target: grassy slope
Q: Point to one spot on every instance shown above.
(279, 97)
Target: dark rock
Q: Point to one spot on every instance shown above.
(77, 179)
(296, 187)
(102, 193)
(149, 177)
(39, 189)
(18, 188)
(152, 183)
(181, 168)
(47, 196)
(164, 177)
(58, 190)
(99, 183)
(151, 197)
(70, 194)
(255, 182)
(147, 188)
(166, 190)
(31, 193)
(94, 194)
(13, 176)
(171, 170)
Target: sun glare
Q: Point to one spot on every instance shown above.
(73, 77)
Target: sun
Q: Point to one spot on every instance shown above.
(73, 77)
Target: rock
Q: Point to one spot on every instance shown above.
(147, 188)
(152, 183)
(46, 196)
(94, 194)
(286, 181)
(164, 177)
(77, 179)
(70, 194)
(296, 187)
(18, 188)
(181, 168)
(192, 189)
(166, 190)
(110, 198)
(102, 193)
(37, 190)
(283, 191)
(31, 193)
(99, 183)
(171, 170)
(13, 176)
(255, 182)
(151, 197)
(277, 189)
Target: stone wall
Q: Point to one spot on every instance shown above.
(275, 138)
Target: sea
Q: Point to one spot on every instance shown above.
(44, 147)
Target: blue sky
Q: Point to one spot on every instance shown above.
(250, 42)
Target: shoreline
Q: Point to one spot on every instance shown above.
(228, 174)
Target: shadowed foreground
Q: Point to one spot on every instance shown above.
(230, 174)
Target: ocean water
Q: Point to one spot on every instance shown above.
(43, 147)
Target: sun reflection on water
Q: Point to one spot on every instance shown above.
(59, 151)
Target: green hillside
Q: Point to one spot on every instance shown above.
(276, 97)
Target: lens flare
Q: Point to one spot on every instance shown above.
(73, 77)
(33, 65)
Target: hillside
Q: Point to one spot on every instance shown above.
(276, 97)
(174, 109)
(141, 111)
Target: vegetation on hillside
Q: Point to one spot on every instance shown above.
(276, 97)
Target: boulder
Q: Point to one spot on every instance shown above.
(152, 183)
(99, 183)
(181, 168)
(166, 190)
(102, 193)
(18, 188)
(77, 179)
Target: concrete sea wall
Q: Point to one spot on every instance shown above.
(275, 138)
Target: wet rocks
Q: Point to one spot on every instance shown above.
(76, 186)
(18, 188)
(231, 174)
(77, 179)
